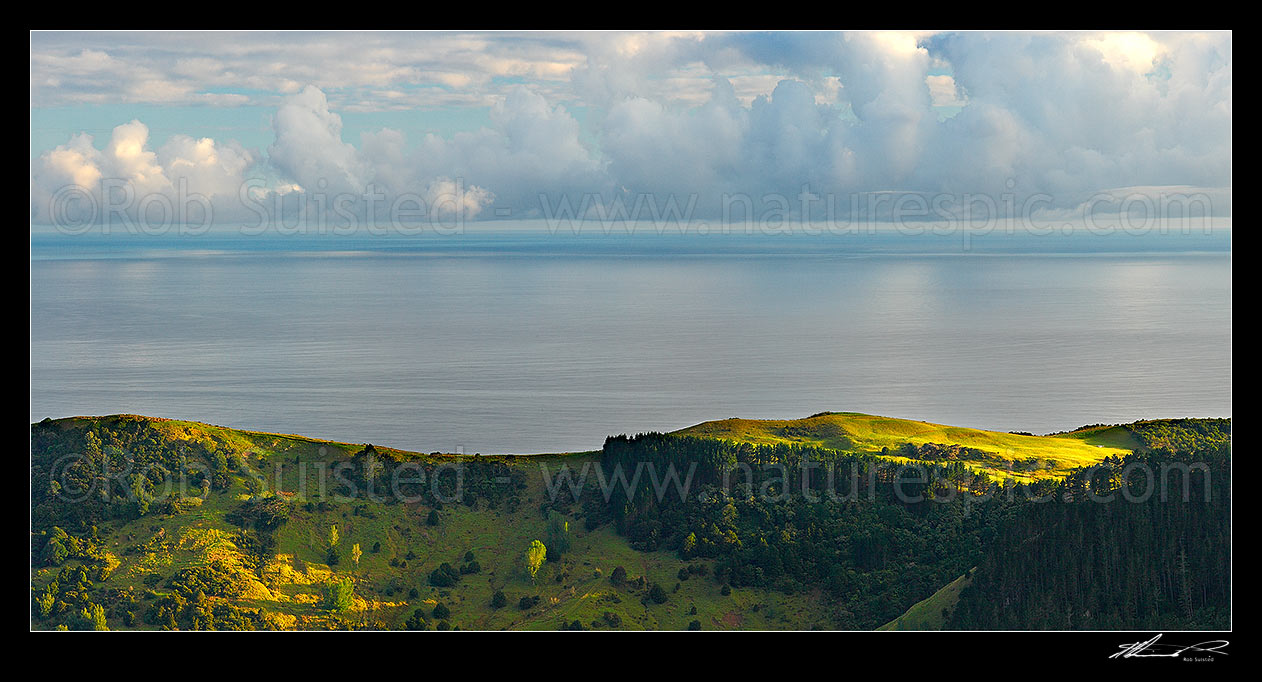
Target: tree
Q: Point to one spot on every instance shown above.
(499, 600)
(657, 594)
(45, 602)
(334, 538)
(444, 576)
(92, 617)
(558, 536)
(690, 545)
(417, 621)
(533, 558)
(432, 519)
(54, 552)
(356, 553)
(339, 594)
(619, 576)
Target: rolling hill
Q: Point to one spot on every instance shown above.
(149, 523)
(1002, 455)
(139, 566)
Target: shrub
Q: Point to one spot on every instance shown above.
(444, 576)
(339, 594)
(417, 621)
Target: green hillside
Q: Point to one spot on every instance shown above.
(194, 540)
(1002, 455)
(144, 523)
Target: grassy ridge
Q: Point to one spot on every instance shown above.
(1003, 455)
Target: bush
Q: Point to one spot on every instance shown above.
(694, 625)
(619, 576)
(498, 600)
(339, 594)
(417, 621)
(441, 612)
(54, 553)
(657, 594)
(444, 576)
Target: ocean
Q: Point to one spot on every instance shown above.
(513, 338)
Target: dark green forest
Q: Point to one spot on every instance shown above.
(1138, 543)
(1090, 552)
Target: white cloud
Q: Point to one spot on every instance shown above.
(309, 147)
(942, 91)
(1064, 114)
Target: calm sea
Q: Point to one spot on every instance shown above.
(518, 340)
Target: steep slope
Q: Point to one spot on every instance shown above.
(932, 613)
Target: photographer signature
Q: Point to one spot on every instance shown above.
(1151, 649)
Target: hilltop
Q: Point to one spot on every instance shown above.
(1003, 455)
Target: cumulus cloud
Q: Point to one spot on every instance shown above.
(309, 147)
(77, 182)
(694, 116)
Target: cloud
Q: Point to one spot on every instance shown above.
(309, 149)
(260, 68)
(116, 179)
(1067, 115)
(942, 91)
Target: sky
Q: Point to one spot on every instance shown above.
(498, 125)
